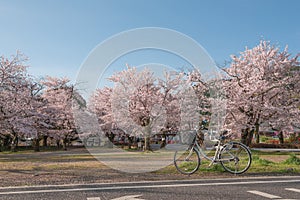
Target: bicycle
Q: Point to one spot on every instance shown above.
(234, 157)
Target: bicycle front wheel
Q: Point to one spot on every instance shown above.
(235, 157)
(187, 161)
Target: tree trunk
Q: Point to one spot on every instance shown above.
(6, 142)
(147, 138)
(45, 140)
(257, 138)
(163, 140)
(58, 143)
(36, 144)
(280, 136)
(244, 136)
(130, 142)
(250, 137)
(14, 141)
(256, 133)
(14, 144)
(65, 144)
(147, 143)
(247, 135)
(110, 136)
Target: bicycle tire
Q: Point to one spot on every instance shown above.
(187, 161)
(236, 157)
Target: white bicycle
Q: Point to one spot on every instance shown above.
(234, 157)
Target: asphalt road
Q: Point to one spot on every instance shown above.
(234, 188)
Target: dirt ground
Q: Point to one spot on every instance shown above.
(71, 167)
(274, 158)
(66, 174)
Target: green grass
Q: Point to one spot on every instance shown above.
(292, 160)
(256, 160)
(204, 167)
(291, 164)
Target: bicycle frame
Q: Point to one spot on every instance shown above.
(215, 158)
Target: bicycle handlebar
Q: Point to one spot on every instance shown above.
(221, 137)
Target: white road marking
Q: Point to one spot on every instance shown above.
(139, 182)
(93, 198)
(263, 194)
(293, 189)
(145, 186)
(129, 197)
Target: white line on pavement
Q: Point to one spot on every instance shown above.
(129, 197)
(293, 189)
(146, 186)
(263, 194)
(154, 182)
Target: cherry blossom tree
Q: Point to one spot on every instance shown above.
(262, 87)
(142, 104)
(58, 113)
(138, 104)
(16, 99)
(100, 106)
(33, 109)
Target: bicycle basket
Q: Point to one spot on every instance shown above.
(187, 137)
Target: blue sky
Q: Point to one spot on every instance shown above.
(57, 35)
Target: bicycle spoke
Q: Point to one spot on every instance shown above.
(236, 159)
(187, 162)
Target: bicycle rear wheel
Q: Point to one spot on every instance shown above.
(235, 157)
(187, 161)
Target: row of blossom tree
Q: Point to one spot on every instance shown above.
(33, 109)
(261, 88)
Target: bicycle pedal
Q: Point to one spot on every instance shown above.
(213, 163)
